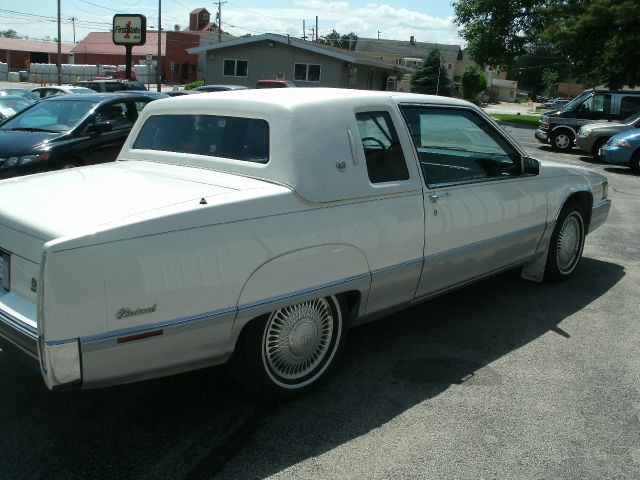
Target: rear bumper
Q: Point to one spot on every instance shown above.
(20, 339)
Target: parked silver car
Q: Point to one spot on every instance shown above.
(593, 136)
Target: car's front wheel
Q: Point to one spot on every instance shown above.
(562, 140)
(567, 243)
(289, 351)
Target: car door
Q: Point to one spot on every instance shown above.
(104, 145)
(482, 213)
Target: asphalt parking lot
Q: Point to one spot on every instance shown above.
(503, 379)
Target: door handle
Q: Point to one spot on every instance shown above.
(433, 198)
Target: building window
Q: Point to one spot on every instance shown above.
(449, 67)
(235, 68)
(306, 72)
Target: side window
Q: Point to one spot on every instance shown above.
(595, 107)
(458, 146)
(235, 68)
(630, 105)
(382, 150)
(116, 114)
(140, 105)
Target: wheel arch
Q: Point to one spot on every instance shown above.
(331, 269)
(584, 198)
(564, 127)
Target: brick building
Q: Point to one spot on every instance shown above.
(15, 52)
(177, 66)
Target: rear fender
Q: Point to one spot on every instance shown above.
(301, 275)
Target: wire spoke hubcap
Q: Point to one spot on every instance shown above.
(298, 338)
(569, 243)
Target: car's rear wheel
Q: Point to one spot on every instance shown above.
(567, 243)
(289, 351)
(634, 163)
(562, 140)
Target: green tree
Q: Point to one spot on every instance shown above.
(527, 69)
(592, 36)
(473, 82)
(600, 38)
(549, 80)
(431, 77)
(335, 39)
(496, 31)
(10, 33)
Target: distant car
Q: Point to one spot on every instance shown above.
(146, 93)
(555, 104)
(111, 85)
(275, 84)
(44, 92)
(67, 131)
(594, 135)
(218, 88)
(10, 105)
(20, 92)
(623, 149)
(114, 73)
(179, 93)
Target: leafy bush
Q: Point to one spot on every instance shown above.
(473, 81)
(190, 85)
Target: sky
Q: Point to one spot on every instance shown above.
(427, 21)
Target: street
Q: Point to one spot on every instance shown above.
(502, 379)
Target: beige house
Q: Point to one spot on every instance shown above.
(244, 61)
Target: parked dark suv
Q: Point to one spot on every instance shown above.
(67, 131)
(111, 85)
(559, 128)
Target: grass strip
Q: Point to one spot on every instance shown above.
(532, 120)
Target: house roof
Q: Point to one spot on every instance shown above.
(337, 53)
(403, 48)
(20, 45)
(102, 43)
(198, 10)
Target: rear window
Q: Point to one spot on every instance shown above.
(216, 136)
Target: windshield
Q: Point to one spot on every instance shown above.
(632, 118)
(51, 115)
(575, 102)
(9, 106)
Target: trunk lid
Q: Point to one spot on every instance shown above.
(38, 208)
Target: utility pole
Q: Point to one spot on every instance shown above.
(220, 20)
(73, 21)
(439, 68)
(316, 29)
(159, 60)
(304, 31)
(59, 46)
(379, 32)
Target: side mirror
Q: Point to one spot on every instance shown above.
(530, 166)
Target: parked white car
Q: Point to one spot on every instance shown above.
(258, 226)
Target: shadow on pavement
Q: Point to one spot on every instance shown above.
(621, 171)
(201, 425)
(573, 151)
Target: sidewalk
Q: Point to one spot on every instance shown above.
(513, 108)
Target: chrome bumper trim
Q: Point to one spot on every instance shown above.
(19, 337)
(599, 214)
